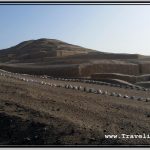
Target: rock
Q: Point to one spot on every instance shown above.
(70, 86)
(125, 96)
(99, 91)
(113, 94)
(147, 100)
(67, 86)
(75, 87)
(119, 95)
(81, 88)
(105, 93)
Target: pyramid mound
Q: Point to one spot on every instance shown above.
(39, 49)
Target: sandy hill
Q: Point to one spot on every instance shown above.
(49, 50)
(40, 49)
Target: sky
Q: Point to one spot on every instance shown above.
(107, 28)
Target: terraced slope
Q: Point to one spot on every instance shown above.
(42, 56)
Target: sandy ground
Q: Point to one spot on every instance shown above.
(35, 114)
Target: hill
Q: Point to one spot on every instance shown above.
(47, 50)
(57, 58)
(33, 50)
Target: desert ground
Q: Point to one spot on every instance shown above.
(55, 93)
(35, 110)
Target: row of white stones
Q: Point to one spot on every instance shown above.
(102, 83)
(134, 87)
(78, 88)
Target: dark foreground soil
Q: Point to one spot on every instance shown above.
(34, 114)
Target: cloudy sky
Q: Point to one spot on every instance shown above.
(109, 28)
